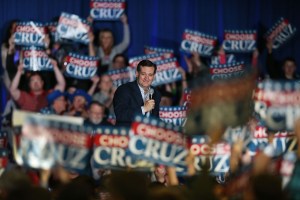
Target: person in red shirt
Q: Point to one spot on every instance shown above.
(36, 98)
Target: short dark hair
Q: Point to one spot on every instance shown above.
(106, 110)
(291, 59)
(146, 63)
(96, 103)
(123, 56)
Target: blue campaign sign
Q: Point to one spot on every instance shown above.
(280, 33)
(239, 41)
(46, 143)
(121, 76)
(107, 9)
(213, 158)
(167, 71)
(194, 41)
(133, 61)
(276, 104)
(283, 142)
(81, 66)
(227, 71)
(216, 157)
(36, 59)
(156, 141)
(29, 34)
(74, 28)
(111, 150)
(176, 115)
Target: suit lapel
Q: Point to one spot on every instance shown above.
(137, 94)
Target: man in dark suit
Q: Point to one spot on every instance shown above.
(137, 97)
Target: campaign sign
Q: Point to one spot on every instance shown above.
(74, 28)
(216, 157)
(236, 134)
(167, 72)
(283, 141)
(194, 41)
(121, 76)
(134, 61)
(81, 66)
(167, 53)
(111, 150)
(107, 9)
(3, 138)
(36, 59)
(281, 32)
(29, 34)
(227, 71)
(229, 58)
(46, 143)
(175, 115)
(239, 41)
(54, 36)
(158, 142)
(277, 104)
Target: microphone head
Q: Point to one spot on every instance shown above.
(151, 91)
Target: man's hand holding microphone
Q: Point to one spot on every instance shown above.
(150, 103)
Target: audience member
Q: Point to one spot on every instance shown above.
(8, 48)
(57, 103)
(120, 61)
(79, 103)
(96, 115)
(106, 92)
(105, 49)
(278, 71)
(35, 99)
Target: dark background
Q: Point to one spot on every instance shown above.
(162, 22)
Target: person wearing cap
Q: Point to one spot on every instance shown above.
(36, 98)
(79, 103)
(56, 103)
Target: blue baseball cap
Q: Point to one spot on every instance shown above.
(54, 95)
(80, 92)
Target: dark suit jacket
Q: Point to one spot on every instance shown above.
(128, 101)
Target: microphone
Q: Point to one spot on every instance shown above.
(151, 91)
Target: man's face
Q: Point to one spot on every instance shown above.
(289, 68)
(145, 77)
(96, 113)
(60, 104)
(79, 103)
(36, 83)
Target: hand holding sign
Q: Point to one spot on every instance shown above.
(123, 19)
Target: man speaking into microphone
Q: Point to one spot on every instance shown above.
(137, 97)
